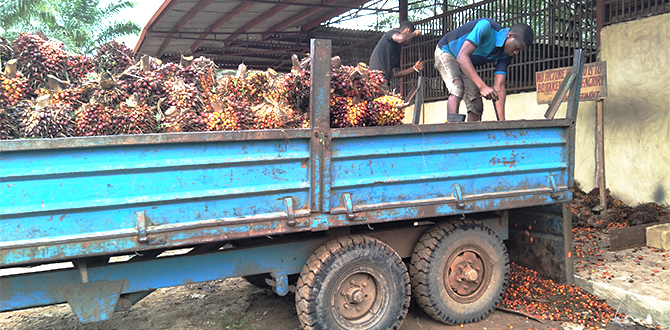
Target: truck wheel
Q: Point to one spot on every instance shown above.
(459, 272)
(353, 282)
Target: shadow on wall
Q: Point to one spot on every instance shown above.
(659, 194)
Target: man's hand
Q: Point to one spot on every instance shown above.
(489, 93)
(417, 33)
(418, 66)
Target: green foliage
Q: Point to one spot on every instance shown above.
(82, 25)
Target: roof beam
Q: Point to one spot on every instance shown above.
(329, 15)
(200, 6)
(259, 19)
(225, 18)
(298, 17)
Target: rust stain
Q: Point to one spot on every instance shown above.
(61, 218)
(369, 161)
(303, 164)
(51, 218)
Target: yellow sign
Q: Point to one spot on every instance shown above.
(594, 82)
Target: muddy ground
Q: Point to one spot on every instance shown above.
(231, 304)
(223, 304)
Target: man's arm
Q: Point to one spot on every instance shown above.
(468, 69)
(499, 88)
(403, 38)
(418, 66)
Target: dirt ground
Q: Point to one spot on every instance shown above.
(231, 304)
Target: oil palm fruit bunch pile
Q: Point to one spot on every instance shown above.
(10, 121)
(78, 68)
(387, 110)
(256, 100)
(359, 98)
(48, 120)
(12, 90)
(202, 74)
(114, 57)
(187, 110)
(133, 118)
(297, 86)
(228, 115)
(109, 93)
(93, 119)
(39, 58)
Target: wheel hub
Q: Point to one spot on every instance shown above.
(464, 275)
(356, 296)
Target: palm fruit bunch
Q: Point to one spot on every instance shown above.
(93, 119)
(146, 87)
(38, 58)
(187, 109)
(79, 67)
(339, 106)
(110, 98)
(10, 120)
(386, 110)
(228, 115)
(202, 74)
(272, 114)
(340, 82)
(114, 57)
(52, 120)
(170, 71)
(133, 118)
(372, 87)
(73, 96)
(297, 86)
(12, 90)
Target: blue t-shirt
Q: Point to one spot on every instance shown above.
(487, 36)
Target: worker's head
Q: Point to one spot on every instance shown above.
(406, 28)
(404, 25)
(519, 37)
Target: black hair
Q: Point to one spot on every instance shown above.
(407, 24)
(523, 32)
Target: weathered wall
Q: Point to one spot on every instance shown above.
(636, 113)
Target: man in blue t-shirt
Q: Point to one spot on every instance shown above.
(478, 42)
(386, 55)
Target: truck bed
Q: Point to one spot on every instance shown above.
(64, 199)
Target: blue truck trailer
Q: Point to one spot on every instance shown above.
(364, 218)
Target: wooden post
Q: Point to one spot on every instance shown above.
(600, 154)
(10, 69)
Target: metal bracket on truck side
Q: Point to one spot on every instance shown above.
(349, 208)
(554, 189)
(290, 214)
(458, 193)
(142, 231)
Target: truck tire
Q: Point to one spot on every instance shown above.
(459, 272)
(354, 282)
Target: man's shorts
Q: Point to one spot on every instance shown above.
(449, 69)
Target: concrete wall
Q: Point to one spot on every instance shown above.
(636, 113)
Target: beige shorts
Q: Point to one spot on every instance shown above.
(447, 65)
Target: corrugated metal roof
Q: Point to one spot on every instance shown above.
(259, 33)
